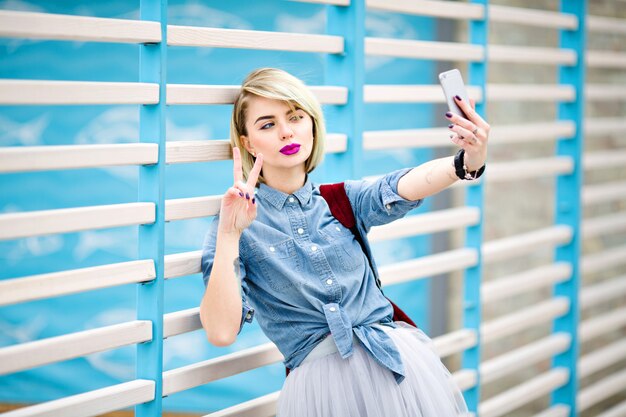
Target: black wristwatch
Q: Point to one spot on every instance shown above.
(461, 170)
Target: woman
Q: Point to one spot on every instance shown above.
(281, 254)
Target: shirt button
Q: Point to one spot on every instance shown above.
(329, 281)
(291, 199)
(338, 229)
(388, 206)
(332, 309)
(300, 231)
(313, 248)
(272, 249)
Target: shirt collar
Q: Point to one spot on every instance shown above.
(278, 198)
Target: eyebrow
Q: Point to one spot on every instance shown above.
(272, 116)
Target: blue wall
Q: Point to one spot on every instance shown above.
(64, 125)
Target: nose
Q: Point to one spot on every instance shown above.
(286, 132)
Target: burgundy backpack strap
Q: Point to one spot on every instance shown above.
(339, 203)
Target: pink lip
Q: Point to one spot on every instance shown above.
(290, 149)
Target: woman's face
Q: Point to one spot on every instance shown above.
(284, 136)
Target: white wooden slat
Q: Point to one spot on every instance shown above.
(531, 55)
(336, 143)
(555, 411)
(455, 342)
(41, 158)
(36, 223)
(182, 264)
(524, 243)
(502, 404)
(603, 193)
(193, 207)
(465, 379)
(606, 24)
(615, 411)
(264, 406)
(601, 358)
(201, 373)
(604, 92)
(605, 225)
(373, 93)
(530, 92)
(333, 2)
(428, 266)
(29, 25)
(443, 51)
(523, 357)
(252, 39)
(613, 158)
(599, 293)
(444, 9)
(406, 138)
(599, 391)
(602, 261)
(529, 168)
(598, 126)
(55, 284)
(509, 324)
(185, 151)
(605, 59)
(524, 282)
(591, 328)
(180, 322)
(532, 17)
(92, 403)
(530, 132)
(55, 349)
(436, 221)
(76, 92)
(226, 94)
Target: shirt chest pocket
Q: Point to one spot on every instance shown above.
(278, 262)
(344, 245)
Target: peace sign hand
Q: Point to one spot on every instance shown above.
(238, 209)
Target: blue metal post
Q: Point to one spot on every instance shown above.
(474, 234)
(348, 70)
(152, 188)
(568, 207)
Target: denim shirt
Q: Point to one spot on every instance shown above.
(304, 274)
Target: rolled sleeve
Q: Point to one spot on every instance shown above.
(377, 202)
(208, 256)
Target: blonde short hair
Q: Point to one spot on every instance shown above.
(277, 84)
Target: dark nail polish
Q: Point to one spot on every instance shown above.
(253, 200)
(240, 194)
(458, 98)
(247, 196)
(450, 126)
(448, 114)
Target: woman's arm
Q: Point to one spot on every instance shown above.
(220, 309)
(471, 134)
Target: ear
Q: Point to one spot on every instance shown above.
(246, 143)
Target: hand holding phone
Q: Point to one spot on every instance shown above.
(452, 85)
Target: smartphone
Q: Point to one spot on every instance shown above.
(452, 85)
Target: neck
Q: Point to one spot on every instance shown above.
(287, 181)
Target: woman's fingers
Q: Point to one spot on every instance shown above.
(471, 114)
(253, 176)
(237, 168)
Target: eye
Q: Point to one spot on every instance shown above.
(267, 125)
(296, 117)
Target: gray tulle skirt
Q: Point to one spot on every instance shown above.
(325, 385)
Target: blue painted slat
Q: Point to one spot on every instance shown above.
(347, 70)
(152, 188)
(474, 234)
(568, 199)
